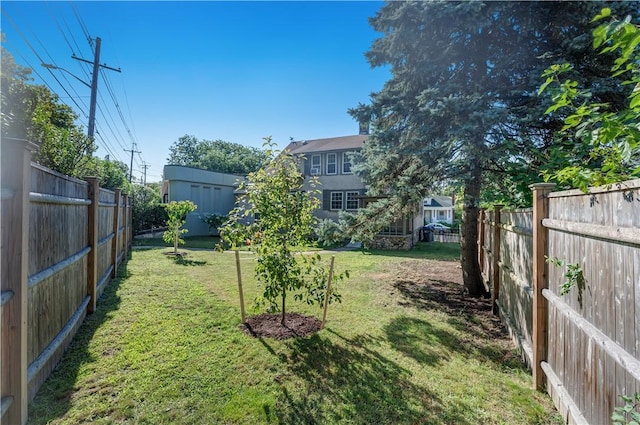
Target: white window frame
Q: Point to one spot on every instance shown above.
(346, 159)
(355, 198)
(331, 201)
(317, 166)
(334, 163)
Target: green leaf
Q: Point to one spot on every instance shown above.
(604, 13)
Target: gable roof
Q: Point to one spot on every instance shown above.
(330, 144)
(438, 201)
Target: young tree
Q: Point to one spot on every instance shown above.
(283, 223)
(177, 212)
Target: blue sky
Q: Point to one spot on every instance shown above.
(237, 71)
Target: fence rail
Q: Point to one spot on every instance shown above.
(62, 242)
(565, 278)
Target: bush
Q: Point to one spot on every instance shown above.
(147, 209)
(330, 233)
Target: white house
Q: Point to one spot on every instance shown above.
(438, 209)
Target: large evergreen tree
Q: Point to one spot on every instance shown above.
(462, 102)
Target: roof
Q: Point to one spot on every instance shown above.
(438, 201)
(330, 144)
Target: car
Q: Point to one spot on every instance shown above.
(437, 227)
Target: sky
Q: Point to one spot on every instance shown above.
(232, 70)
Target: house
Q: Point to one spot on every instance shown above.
(439, 209)
(212, 192)
(330, 161)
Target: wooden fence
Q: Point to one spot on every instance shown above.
(583, 345)
(62, 242)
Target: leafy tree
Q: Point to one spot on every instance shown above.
(607, 136)
(147, 210)
(17, 97)
(177, 212)
(283, 225)
(217, 155)
(461, 104)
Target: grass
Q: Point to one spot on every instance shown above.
(165, 347)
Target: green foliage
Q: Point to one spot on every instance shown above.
(148, 211)
(331, 233)
(214, 221)
(574, 276)
(606, 136)
(177, 212)
(275, 217)
(629, 414)
(32, 112)
(217, 155)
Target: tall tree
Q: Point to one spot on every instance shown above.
(462, 102)
(216, 155)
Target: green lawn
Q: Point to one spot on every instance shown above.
(165, 347)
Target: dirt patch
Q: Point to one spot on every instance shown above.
(268, 325)
(437, 285)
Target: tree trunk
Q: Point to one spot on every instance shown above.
(471, 275)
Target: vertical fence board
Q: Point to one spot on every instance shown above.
(57, 230)
(593, 334)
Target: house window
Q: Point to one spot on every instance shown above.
(395, 229)
(353, 203)
(336, 200)
(332, 166)
(315, 165)
(442, 215)
(346, 163)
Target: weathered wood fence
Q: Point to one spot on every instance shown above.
(62, 242)
(583, 345)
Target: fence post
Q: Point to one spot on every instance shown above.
(16, 185)
(92, 261)
(495, 249)
(540, 280)
(125, 232)
(481, 218)
(115, 246)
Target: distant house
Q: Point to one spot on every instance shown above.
(438, 209)
(330, 161)
(212, 192)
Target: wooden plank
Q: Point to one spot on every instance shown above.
(630, 235)
(14, 262)
(540, 280)
(624, 186)
(116, 226)
(563, 401)
(92, 271)
(495, 292)
(609, 346)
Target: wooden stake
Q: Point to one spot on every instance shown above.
(326, 296)
(240, 285)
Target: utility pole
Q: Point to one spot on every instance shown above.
(94, 86)
(132, 150)
(145, 166)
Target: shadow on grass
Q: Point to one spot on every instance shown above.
(182, 261)
(472, 318)
(424, 250)
(53, 399)
(349, 381)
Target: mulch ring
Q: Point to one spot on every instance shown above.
(268, 325)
